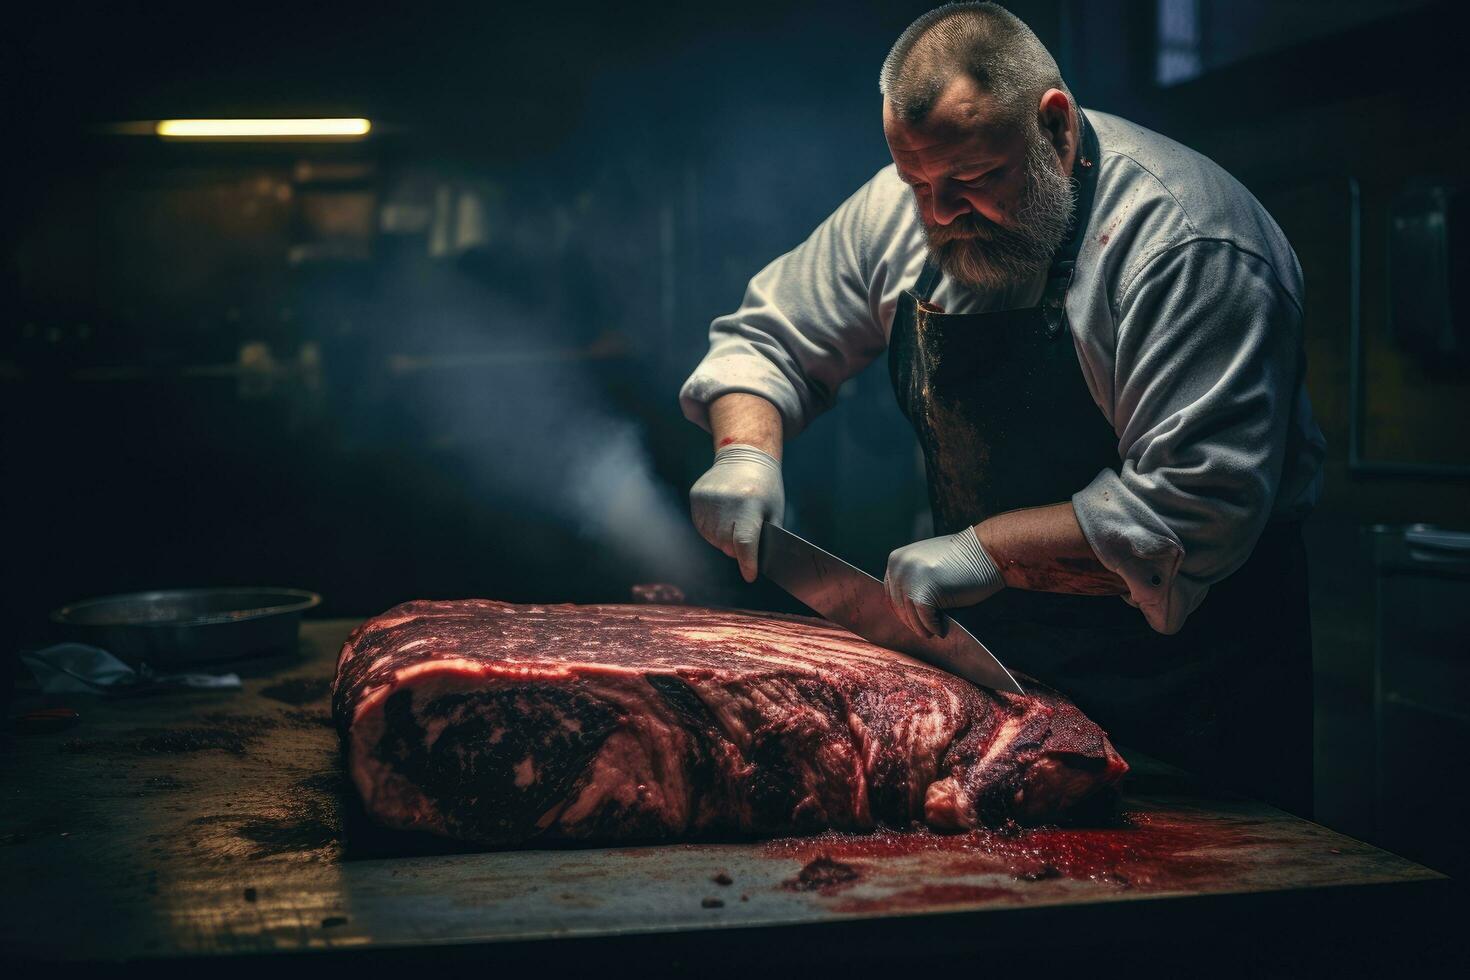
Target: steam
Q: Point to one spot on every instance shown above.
(517, 397)
(619, 503)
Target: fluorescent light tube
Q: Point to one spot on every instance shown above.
(238, 129)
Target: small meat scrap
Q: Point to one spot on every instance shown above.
(298, 690)
(498, 723)
(723, 879)
(823, 875)
(660, 593)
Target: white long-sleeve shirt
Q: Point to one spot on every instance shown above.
(1185, 310)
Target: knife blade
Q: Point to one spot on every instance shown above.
(856, 601)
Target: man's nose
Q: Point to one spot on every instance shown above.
(948, 207)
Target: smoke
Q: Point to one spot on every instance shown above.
(557, 438)
(520, 393)
(619, 503)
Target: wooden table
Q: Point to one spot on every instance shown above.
(219, 824)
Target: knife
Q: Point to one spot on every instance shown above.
(856, 601)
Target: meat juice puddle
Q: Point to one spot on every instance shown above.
(1143, 851)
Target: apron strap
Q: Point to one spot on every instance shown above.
(1064, 263)
(928, 279)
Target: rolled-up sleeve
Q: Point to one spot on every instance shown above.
(806, 325)
(1208, 348)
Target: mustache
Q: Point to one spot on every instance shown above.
(966, 227)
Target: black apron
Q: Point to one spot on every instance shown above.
(1005, 419)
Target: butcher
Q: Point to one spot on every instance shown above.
(1095, 333)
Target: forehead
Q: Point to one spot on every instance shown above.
(965, 122)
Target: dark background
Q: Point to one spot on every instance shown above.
(443, 361)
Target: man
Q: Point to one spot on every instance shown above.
(1095, 333)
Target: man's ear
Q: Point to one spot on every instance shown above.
(1056, 116)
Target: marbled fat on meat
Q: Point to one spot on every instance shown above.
(500, 723)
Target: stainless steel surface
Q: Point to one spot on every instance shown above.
(1430, 543)
(181, 626)
(856, 601)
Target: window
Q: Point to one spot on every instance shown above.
(1179, 41)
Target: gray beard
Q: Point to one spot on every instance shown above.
(985, 256)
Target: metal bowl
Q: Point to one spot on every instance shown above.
(182, 626)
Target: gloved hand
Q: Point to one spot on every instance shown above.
(739, 493)
(939, 573)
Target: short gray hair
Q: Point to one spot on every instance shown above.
(985, 41)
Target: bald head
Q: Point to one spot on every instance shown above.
(983, 41)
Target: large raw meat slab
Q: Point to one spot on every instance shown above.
(500, 723)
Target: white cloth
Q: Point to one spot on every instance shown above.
(1186, 313)
(77, 668)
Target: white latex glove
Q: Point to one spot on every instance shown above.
(948, 572)
(739, 493)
